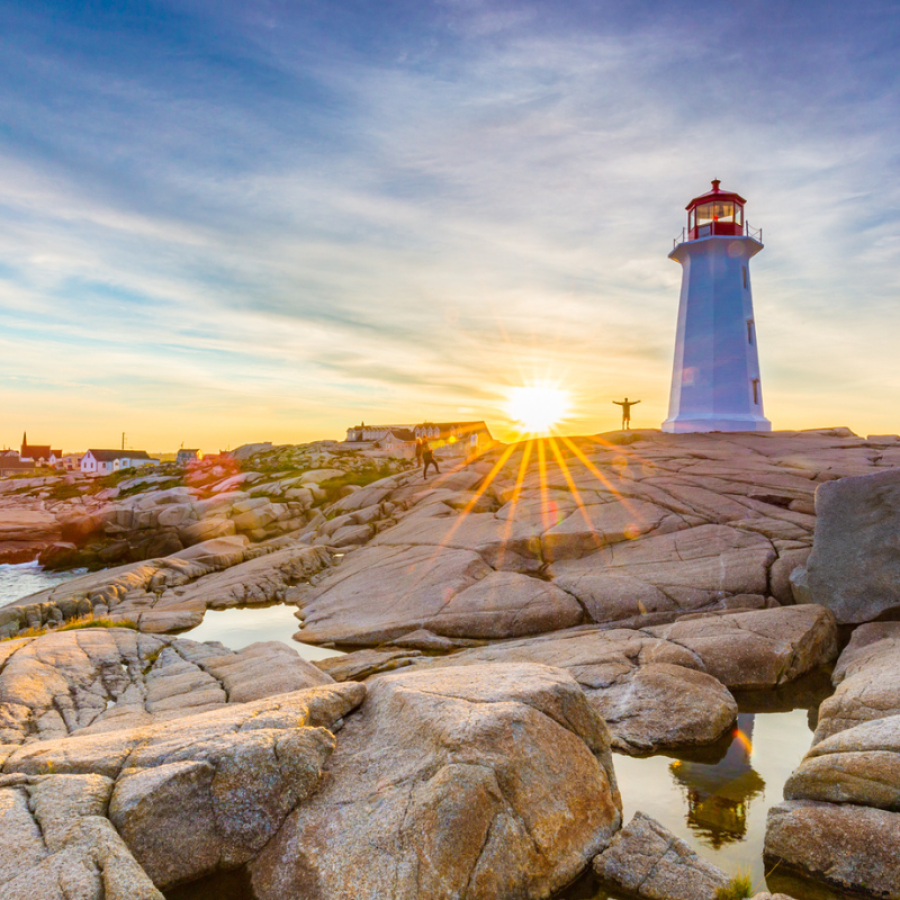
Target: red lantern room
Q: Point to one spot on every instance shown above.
(715, 212)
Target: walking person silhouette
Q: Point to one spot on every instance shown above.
(626, 405)
(428, 459)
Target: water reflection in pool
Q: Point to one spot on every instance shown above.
(236, 628)
(716, 798)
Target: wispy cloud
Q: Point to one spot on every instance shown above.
(247, 221)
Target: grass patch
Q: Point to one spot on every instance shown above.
(63, 491)
(739, 888)
(74, 625)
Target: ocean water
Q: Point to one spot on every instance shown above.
(22, 579)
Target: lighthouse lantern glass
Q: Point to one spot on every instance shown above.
(715, 212)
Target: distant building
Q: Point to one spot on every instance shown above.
(38, 453)
(185, 456)
(105, 462)
(11, 464)
(446, 438)
(68, 462)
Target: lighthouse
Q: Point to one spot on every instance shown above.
(716, 384)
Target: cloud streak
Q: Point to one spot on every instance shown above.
(246, 221)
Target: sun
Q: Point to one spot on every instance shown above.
(537, 408)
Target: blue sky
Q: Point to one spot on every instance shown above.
(223, 222)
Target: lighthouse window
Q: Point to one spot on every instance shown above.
(746, 283)
(755, 383)
(739, 215)
(749, 331)
(715, 212)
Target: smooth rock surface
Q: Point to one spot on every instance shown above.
(851, 847)
(854, 568)
(487, 782)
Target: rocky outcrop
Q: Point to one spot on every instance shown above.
(854, 568)
(639, 534)
(98, 680)
(841, 821)
(851, 847)
(648, 861)
(759, 649)
(491, 781)
(173, 593)
(660, 687)
(867, 679)
(58, 845)
(205, 792)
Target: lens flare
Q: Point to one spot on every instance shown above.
(537, 408)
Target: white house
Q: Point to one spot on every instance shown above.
(105, 462)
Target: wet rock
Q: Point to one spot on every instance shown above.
(492, 781)
(850, 847)
(854, 568)
(650, 862)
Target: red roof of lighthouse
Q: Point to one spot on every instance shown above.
(716, 194)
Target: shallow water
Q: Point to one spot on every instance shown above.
(716, 799)
(22, 579)
(236, 628)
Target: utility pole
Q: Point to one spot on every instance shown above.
(123, 440)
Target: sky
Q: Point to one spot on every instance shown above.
(227, 221)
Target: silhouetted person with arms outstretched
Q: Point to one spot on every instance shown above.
(428, 459)
(626, 405)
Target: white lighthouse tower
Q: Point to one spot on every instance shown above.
(716, 384)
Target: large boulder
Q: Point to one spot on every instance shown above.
(854, 568)
(652, 694)
(58, 845)
(206, 792)
(648, 861)
(489, 782)
(758, 649)
(383, 593)
(851, 847)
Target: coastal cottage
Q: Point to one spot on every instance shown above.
(183, 457)
(105, 462)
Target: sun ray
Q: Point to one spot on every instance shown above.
(514, 500)
(579, 503)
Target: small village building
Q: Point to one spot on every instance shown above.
(183, 457)
(105, 462)
(38, 453)
(11, 464)
(68, 462)
(447, 439)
